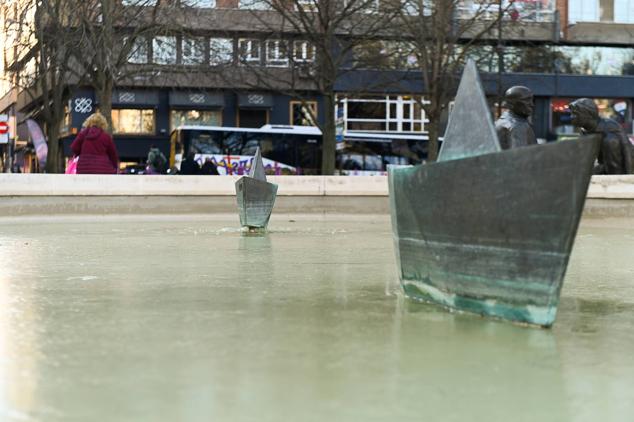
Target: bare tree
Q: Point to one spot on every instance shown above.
(318, 38)
(110, 33)
(42, 63)
(443, 34)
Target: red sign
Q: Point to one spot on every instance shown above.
(4, 128)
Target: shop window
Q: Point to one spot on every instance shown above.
(164, 50)
(133, 121)
(254, 118)
(139, 53)
(195, 117)
(220, 51)
(276, 53)
(193, 50)
(66, 121)
(303, 113)
(617, 109)
(249, 51)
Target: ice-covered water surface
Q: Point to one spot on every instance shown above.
(177, 318)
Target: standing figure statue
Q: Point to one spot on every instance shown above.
(615, 155)
(513, 128)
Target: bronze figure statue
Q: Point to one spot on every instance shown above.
(615, 155)
(513, 128)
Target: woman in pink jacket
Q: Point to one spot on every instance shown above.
(95, 148)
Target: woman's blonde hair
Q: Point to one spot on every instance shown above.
(96, 119)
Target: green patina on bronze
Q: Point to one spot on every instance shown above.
(489, 231)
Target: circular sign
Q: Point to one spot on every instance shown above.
(4, 128)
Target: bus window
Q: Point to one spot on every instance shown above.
(234, 142)
(370, 156)
(411, 152)
(373, 163)
(308, 153)
(204, 143)
(283, 150)
(292, 150)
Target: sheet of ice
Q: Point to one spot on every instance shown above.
(168, 319)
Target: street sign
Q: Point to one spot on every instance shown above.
(4, 129)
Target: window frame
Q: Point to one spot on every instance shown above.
(193, 40)
(398, 119)
(249, 59)
(185, 3)
(135, 47)
(140, 110)
(303, 104)
(309, 6)
(281, 57)
(213, 50)
(200, 110)
(139, 3)
(305, 46)
(624, 13)
(254, 5)
(371, 7)
(162, 39)
(577, 10)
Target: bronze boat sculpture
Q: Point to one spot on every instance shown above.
(255, 196)
(484, 230)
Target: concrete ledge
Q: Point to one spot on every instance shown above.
(606, 187)
(129, 185)
(55, 194)
(612, 187)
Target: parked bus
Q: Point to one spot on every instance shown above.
(288, 150)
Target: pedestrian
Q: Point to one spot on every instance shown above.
(95, 148)
(189, 166)
(156, 161)
(513, 128)
(209, 168)
(616, 152)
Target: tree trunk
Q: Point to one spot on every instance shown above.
(432, 149)
(53, 159)
(104, 98)
(329, 144)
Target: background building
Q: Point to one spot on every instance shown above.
(219, 62)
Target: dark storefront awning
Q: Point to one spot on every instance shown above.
(255, 100)
(196, 99)
(122, 98)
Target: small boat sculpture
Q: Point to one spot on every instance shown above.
(484, 230)
(256, 196)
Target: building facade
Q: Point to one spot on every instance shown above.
(562, 50)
